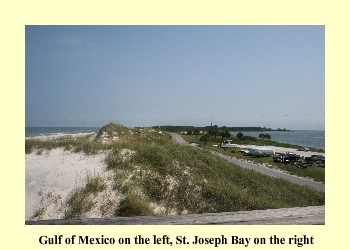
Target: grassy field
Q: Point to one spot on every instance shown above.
(315, 172)
(155, 175)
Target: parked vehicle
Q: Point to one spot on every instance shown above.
(302, 148)
(316, 159)
(286, 157)
(290, 158)
(279, 157)
(244, 152)
(261, 151)
(227, 144)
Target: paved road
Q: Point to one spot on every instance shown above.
(268, 171)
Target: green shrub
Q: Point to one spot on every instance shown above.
(94, 185)
(134, 205)
(78, 203)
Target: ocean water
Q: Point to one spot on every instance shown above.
(36, 131)
(307, 138)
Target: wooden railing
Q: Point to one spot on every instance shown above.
(284, 216)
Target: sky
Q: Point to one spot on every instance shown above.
(234, 76)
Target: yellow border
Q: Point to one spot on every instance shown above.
(16, 14)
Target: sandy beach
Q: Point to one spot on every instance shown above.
(52, 175)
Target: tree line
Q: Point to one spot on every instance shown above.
(171, 128)
(212, 135)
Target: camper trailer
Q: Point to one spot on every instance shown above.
(261, 151)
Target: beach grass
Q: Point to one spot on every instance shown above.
(153, 175)
(67, 142)
(81, 200)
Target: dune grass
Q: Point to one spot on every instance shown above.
(89, 144)
(155, 175)
(76, 144)
(187, 180)
(81, 200)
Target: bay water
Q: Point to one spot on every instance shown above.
(307, 138)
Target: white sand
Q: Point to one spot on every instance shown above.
(51, 176)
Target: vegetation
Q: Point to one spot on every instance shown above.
(111, 130)
(315, 172)
(89, 144)
(81, 200)
(154, 175)
(205, 138)
(240, 138)
(265, 136)
(171, 128)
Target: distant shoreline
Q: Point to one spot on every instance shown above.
(43, 131)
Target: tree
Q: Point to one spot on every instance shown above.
(216, 133)
(189, 132)
(213, 133)
(265, 136)
(225, 134)
(240, 136)
(249, 139)
(196, 132)
(205, 138)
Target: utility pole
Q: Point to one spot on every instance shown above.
(211, 131)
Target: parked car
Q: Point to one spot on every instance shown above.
(315, 159)
(302, 148)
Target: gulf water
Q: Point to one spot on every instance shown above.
(36, 131)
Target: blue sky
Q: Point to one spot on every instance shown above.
(268, 76)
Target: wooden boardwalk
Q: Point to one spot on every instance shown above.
(284, 216)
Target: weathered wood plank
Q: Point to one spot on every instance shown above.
(285, 216)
